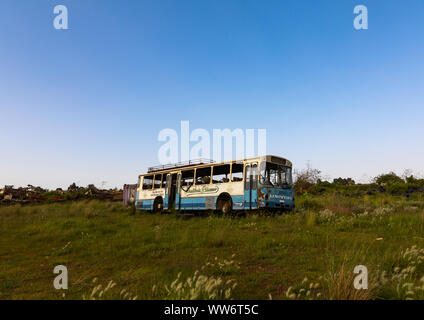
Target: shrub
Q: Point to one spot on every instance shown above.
(406, 279)
(397, 188)
(306, 178)
(388, 178)
(344, 181)
(308, 203)
(340, 285)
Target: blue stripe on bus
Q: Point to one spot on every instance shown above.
(193, 203)
(237, 202)
(199, 203)
(144, 205)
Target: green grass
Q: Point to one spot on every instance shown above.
(322, 240)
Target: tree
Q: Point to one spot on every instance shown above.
(344, 181)
(74, 188)
(306, 178)
(388, 178)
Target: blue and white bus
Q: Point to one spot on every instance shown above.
(263, 182)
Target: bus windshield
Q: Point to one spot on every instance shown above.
(275, 175)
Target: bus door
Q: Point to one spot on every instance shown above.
(172, 190)
(251, 186)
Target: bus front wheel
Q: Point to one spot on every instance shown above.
(158, 205)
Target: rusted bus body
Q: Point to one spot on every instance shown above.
(247, 184)
(129, 193)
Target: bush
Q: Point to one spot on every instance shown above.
(306, 179)
(397, 188)
(307, 203)
(388, 178)
(344, 181)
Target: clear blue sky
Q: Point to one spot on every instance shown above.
(86, 104)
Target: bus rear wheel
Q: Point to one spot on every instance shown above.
(158, 205)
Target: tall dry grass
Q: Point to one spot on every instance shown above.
(340, 285)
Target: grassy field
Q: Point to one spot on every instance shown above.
(112, 253)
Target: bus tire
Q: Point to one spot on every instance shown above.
(158, 205)
(226, 207)
(224, 204)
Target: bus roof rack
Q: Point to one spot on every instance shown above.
(180, 164)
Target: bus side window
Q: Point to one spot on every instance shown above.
(164, 180)
(237, 172)
(221, 174)
(147, 182)
(187, 178)
(247, 177)
(203, 175)
(254, 175)
(158, 180)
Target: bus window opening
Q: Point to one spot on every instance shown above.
(237, 172)
(203, 175)
(221, 174)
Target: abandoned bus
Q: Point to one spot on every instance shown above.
(263, 182)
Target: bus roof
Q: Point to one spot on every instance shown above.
(183, 164)
(208, 162)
